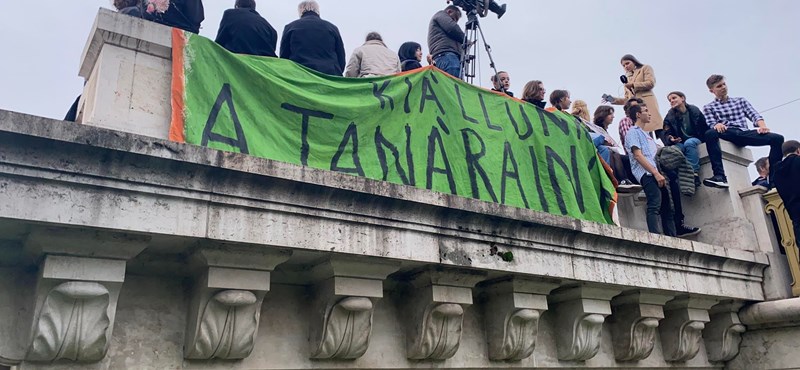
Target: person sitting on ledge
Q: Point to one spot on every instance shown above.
(534, 92)
(643, 165)
(129, 7)
(313, 42)
(685, 127)
(244, 31)
(762, 166)
(786, 176)
(727, 117)
(184, 14)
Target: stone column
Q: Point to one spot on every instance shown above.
(634, 324)
(127, 66)
(343, 305)
(682, 328)
(80, 277)
(580, 313)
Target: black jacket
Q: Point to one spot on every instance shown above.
(314, 43)
(787, 181)
(244, 31)
(408, 56)
(184, 14)
(673, 124)
(132, 11)
(539, 103)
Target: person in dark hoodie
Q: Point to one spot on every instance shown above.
(243, 31)
(787, 181)
(184, 14)
(685, 126)
(410, 55)
(313, 42)
(129, 7)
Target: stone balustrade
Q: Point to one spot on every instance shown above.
(119, 249)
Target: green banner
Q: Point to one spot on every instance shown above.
(423, 129)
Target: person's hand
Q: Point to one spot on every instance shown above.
(662, 181)
(720, 128)
(763, 130)
(674, 139)
(629, 85)
(430, 60)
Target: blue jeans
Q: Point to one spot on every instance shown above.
(450, 63)
(689, 149)
(603, 150)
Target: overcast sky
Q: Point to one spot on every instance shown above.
(568, 44)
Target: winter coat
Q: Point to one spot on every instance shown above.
(184, 14)
(314, 43)
(644, 80)
(787, 176)
(244, 31)
(444, 35)
(539, 103)
(373, 59)
(671, 158)
(408, 56)
(673, 124)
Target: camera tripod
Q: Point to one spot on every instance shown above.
(470, 48)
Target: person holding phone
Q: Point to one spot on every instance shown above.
(639, 80)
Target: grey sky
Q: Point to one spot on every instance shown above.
(569, 44)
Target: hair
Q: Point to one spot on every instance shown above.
(634, 110)
(601, 113)
(761, 164)
(531, 88)
(790, 147)
(246, 4)
(581, 110)
(496, 77)
(682, 95)
(308, 6)
(713, 80)
(374, 36)
(453, 8)
(629, 104)
(633, 59)
(121, 4)
(408, 51)
(557, 95)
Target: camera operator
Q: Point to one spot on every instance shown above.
(445, 39)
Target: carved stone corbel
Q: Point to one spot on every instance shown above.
(343, 306)
(580, 313)
(723, 334)
(226, 300)
(434, 304)
(634, 324)
(511, 312)
(80, 279)
(682, 328)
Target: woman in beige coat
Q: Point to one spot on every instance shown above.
(641, 81)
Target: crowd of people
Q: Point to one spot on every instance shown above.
(657, 154)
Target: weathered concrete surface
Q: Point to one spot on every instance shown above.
(65, 177)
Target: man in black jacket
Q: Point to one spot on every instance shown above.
(313, 42)
(685, 126)
(184, 14)
(243, 31)
(787, 180)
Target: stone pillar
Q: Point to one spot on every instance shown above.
(511, 311)
(723, 334)
(682, 328)
(634, 324)
(80, 278)
(128, 72)
(580, 313)
(343, 305)
(225, 309)
(433, 307)
(719, 212)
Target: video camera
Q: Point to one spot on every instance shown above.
(481, 7)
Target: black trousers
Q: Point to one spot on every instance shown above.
(742, 138)
(659, 207)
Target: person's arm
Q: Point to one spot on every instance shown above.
(648, 80)
(222, 33)
(340, 55)
(712, 119)
(354, 65)
(286, 47)
(755, 117)
(639, 157)
(273, 37)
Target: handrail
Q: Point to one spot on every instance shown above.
(788, 239)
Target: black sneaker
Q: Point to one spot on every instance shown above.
(626, 186)
(686, 231)
(716, 181)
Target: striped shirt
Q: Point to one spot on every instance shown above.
(733, 113)
(637, 138)
(625, 124)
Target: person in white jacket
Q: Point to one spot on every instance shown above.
(373, 59)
